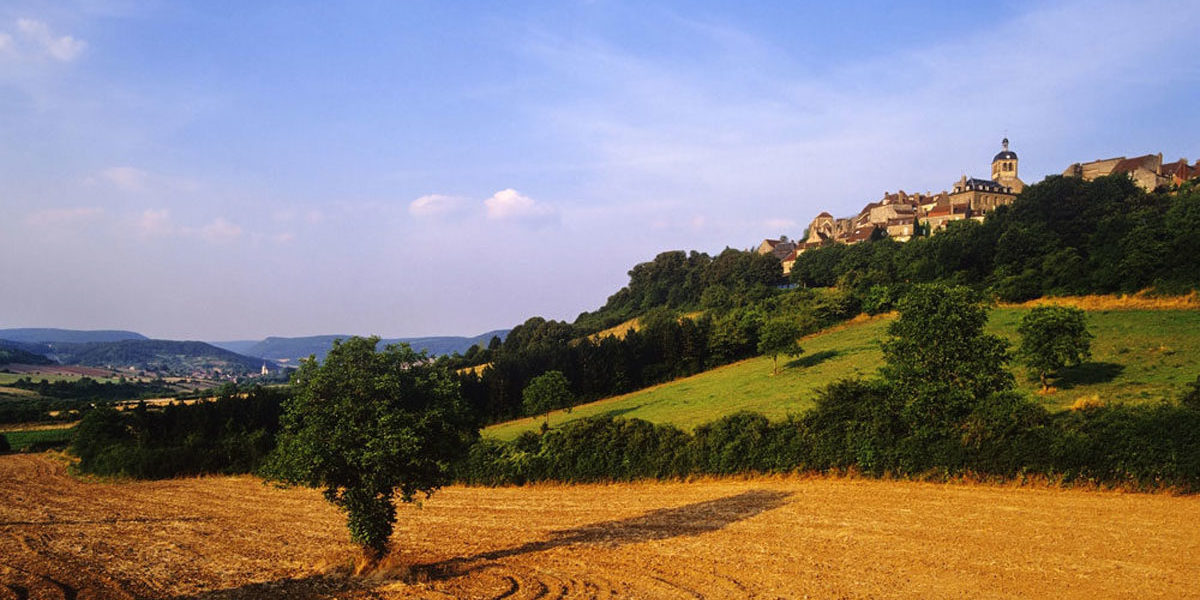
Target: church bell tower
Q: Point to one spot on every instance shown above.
(1004, 169)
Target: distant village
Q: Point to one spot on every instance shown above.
(900, 216)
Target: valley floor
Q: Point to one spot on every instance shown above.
(233, 537)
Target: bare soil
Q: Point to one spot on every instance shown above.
(790, 537)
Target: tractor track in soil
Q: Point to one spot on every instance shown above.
(218, 538)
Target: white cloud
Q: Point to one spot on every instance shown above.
(129, 179)
(64, 48)
(434, 205)
(158, 223)
(155, 223)
(775, 133)
(6, 42)
(55, 216)
(221, 230)
(284, 238)
(509, 204)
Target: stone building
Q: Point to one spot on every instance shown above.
(1148, 171)
(779, 248)
(900, 213)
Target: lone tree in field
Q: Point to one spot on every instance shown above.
(779, 336)
(939, 340)
(941, 363)
(546, 392)
(1053, 337)
(366, 426)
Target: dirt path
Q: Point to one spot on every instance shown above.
(232, 537)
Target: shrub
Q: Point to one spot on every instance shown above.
(855, 423)
(739, 443)
(1053, 337)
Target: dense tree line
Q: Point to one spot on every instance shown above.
(10, 355)
(685, 281)
(666, 346)
(31, 410)
(86, 389)
(232, 434)
(1061, 236)
(944, 405)
(860, 425)
(66, 400)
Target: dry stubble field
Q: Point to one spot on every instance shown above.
(232, 537)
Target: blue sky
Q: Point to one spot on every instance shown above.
(230, 170)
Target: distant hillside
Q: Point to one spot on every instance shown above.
(30, 347)
(438, 346)
(71, 336)
(20, 353)
(295, 348)
(162, 356)
(243, 347)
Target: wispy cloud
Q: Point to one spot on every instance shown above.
(155, 223)
(836, 137)
(220, 230)
(64, 48)
(57, 216)
(129, 179)
(511, 205)
(435, 205)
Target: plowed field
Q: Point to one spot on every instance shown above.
(233, 537)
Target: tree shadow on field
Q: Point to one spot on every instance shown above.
(616, 412)
(689, 520)
(1086, 374)
(312, 587)
(812, 360)
(661, 524)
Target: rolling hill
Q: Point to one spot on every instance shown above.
(292, 349)
(1138, 355)
(40, 335)
(14, 352)
(164, 356)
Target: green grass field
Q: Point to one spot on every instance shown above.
(1137, 356)
(18, 440)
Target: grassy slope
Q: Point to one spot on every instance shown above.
(1138, 356)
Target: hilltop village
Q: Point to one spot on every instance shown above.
(900, 215)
